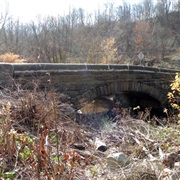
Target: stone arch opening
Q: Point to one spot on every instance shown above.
(132, 99)
(134, 91)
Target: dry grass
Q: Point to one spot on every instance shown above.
(143, 144)
(35, 138)
(39, 141)
(11, 58)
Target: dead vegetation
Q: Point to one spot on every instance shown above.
(11, 58)
(38, 140)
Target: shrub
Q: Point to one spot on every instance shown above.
(11, 58)
(174, 96)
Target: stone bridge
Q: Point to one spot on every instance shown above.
(86, 82)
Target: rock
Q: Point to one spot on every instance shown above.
(66, 109)
(116, 160)
(177, 165)
(99, 145)
(63, 97)
(171, 159)
(97, 106)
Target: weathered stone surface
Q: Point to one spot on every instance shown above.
(117, 160)
(171, 158)
(6, 74)
(66, 109)
(78, 79)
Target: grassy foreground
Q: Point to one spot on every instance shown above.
(40, 140)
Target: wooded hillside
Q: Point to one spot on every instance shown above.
(109, 35)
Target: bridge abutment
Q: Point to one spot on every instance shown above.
(6, 75)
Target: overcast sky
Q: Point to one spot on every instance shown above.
(27, 10)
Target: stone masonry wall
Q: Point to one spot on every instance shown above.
(84, 82)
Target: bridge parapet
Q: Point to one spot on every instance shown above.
(86, 67)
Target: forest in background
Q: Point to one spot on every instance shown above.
(109, 35)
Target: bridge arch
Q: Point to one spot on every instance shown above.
(113, 88)
(86, 82)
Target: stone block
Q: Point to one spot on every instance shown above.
(6, 74)
(117, 160)
(118, 67)
(97, 66)
(48, 67)
(136, 68)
